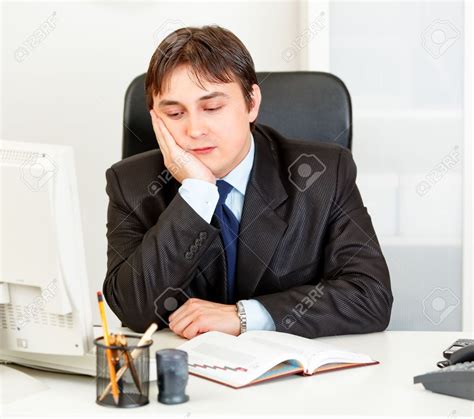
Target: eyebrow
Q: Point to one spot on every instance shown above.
(212, 95)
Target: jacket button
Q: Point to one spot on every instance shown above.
(203, 235)
(193, 248)
(188, 255)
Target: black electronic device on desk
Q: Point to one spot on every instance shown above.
(456, 374)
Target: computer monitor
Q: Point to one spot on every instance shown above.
(45, 312)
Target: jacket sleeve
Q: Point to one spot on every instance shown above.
(353, 295)
(143, 265)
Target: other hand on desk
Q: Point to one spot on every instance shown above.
(197, 316)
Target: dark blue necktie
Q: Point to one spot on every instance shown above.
(229, 232)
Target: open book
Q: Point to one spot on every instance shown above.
(260, 355)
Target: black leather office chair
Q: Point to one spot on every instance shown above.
(303, 105)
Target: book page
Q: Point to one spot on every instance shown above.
(314, 352)
(233, 360)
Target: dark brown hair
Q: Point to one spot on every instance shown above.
(212, 52)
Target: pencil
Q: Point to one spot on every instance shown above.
(143, 341)
(116, 359)
(122, 341)
(113, 377)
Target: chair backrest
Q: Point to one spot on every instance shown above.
(301, 105)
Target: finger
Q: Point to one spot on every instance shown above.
(180, 325)
(159, 135)
(189, 311)
(184, 307)
(167, 137)
(192, 330)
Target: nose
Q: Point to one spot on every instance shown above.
(196, 127)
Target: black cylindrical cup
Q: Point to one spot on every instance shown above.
(133, 385)
(172, 372)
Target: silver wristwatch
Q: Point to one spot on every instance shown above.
(242, 316)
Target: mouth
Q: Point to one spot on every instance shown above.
(204, 150)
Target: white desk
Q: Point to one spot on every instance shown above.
(381, 390)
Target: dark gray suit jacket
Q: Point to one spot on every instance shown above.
(307, 249)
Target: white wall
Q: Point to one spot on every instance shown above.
(403, 62)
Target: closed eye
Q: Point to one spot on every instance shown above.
(177, 114)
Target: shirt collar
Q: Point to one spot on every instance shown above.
(239, 176)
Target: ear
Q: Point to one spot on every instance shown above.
(256, 99)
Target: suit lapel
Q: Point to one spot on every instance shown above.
(260, 227)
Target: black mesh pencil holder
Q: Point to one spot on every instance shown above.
(131, 364)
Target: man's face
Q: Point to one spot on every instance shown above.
(214, 117)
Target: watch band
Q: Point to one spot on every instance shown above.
(242, 316)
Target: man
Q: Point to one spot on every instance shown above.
(229, 226)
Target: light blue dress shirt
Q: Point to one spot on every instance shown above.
(202, 196)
